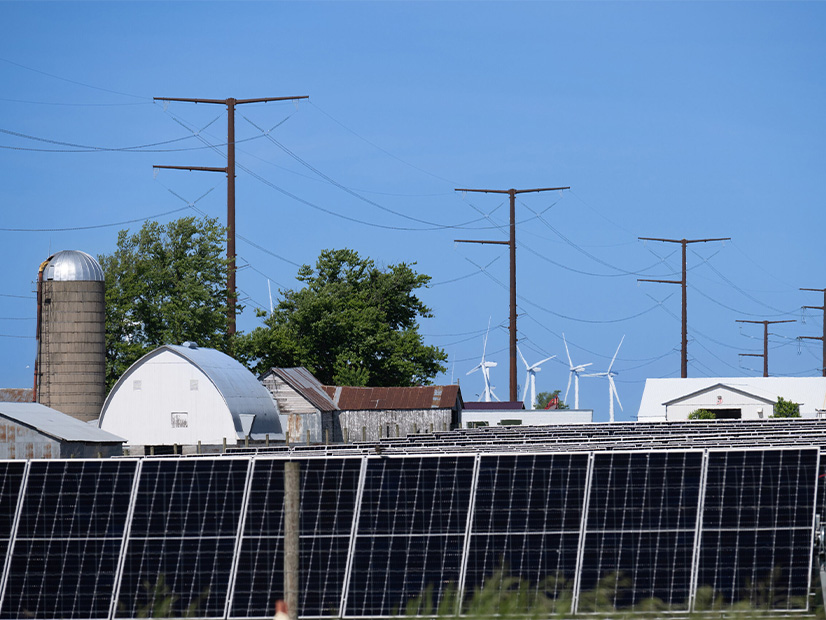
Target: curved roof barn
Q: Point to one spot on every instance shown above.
(183, 394)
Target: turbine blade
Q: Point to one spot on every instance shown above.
(615, 353)
(524, 361)
(570, 363)
(614, 391)
(567, 388)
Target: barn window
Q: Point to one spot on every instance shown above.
(179, 419)
(193, 385)
(136, 384)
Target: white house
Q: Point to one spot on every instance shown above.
(730, 397)
(187, 396)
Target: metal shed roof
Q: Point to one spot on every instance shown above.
(55, 424)
(372, 398)
(16, 395)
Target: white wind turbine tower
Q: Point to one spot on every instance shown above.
(612, 388)
(575, 370)
(485, 367)
(530, 378)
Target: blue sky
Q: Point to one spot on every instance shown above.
(674, 119)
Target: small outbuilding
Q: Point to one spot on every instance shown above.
(187, 396)
(306, 411)
(34, 431)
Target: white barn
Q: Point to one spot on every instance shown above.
(186, 396)
(730, 397)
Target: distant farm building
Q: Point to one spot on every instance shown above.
(34, 431)
(747, 398)
(476, 414)
(305, 409)
(183, 395)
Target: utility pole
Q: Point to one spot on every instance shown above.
(684, 243)
(823, 337)
(512, 244)
(292, 535)
(230, 172)
(765, 353)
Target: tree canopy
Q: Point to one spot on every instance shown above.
(786, 409)
(543, 399)
(165, 284)
(352, 323)
(702, 414)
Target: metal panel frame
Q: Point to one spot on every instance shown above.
(586, 502)
(348, 570)
(21, 493)
(460, 592)
(127, 529)
(242, 522)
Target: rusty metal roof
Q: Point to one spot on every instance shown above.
(371, 398)
(16, 395)
(302, 381)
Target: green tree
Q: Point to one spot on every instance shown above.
(786, 409)
(702, 414)
(351, 324)
(543, 398)
(165, 284)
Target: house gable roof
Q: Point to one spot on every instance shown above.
(716, 386)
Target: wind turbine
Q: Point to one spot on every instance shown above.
(575, 370)
(531, 369)
(612, 388)
(485, 367)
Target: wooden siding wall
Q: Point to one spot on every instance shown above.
(374, 425)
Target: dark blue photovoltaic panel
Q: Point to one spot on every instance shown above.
(645, 490)
(756, 544)
(328, 498)
(545, 562)
(416, 495)
(189, 497)
(530, 493)
(633, 570)
(60, 578)
(768, 568)
(760, 488)
(391, 571)
(410, 533)
(11, 477)
(76, 499)
(194, 571)
(260, 579)
(69, 538)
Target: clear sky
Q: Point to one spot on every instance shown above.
(669, 119)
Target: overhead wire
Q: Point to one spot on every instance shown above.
(93, 226)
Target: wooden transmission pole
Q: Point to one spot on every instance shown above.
(765, 353)
(823, 337)
(684, 243)
(514, 396)
(230, 172)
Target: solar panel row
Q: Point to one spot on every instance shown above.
(579, 532)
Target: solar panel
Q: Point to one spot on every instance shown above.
(68, 540)
(472, 523)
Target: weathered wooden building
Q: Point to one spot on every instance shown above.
(34, 431)
(315, 413)
(305, 409)
(372, 413)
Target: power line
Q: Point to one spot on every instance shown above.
(765, 353)
(92, 227)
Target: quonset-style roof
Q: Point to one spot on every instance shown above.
(55, 424)
(16, 395)
(373, 398)
(302, 381)
(243, 394)
(809, 392)
(73, 265)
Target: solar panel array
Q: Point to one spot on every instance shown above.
(450, 522)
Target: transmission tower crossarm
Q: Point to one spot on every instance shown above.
(191, 168)
(660, 281)
(765, 353)
(823, 337)
(480, 241)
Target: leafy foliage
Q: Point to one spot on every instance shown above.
(786, 409)
(165, 284)
(352, 324)
(702, 414)
(543, 398)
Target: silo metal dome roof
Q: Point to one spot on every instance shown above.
(73, 265)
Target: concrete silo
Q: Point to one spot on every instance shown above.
(70, 370)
